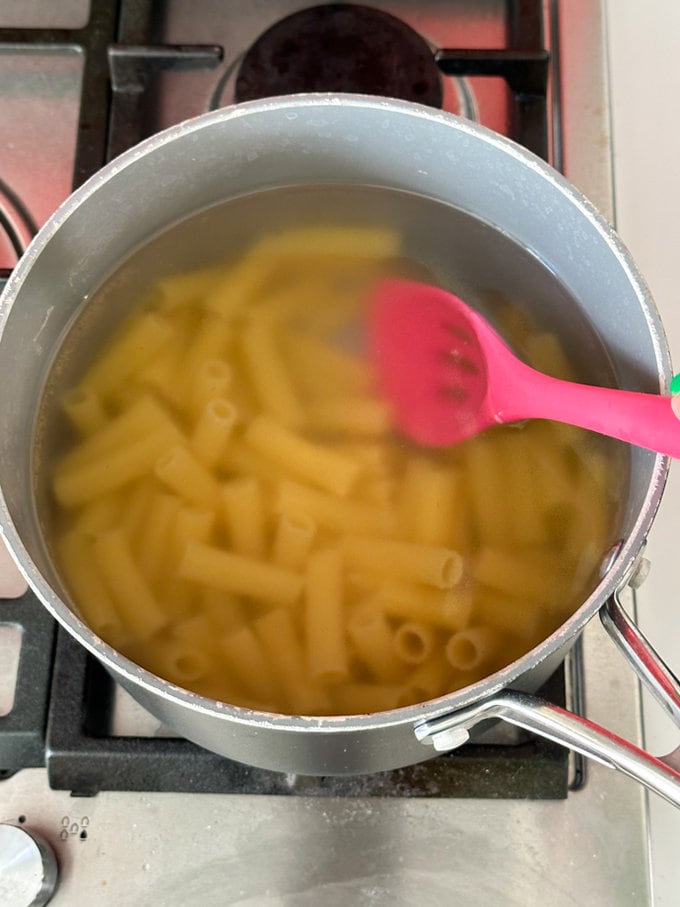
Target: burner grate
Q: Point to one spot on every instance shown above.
(83, 758)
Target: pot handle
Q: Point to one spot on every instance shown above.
(561, 726)
(641, 656)
(661, 775)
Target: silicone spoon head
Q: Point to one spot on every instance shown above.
(430, 352)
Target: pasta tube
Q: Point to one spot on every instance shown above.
(303, 459)
(293, 540)
(324, 619)
(268, 374)
(245, 516)
(128, 353)
(133, 598)
(84, 410)
(440, 567)
(230, 572)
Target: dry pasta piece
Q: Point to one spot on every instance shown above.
(248, 576)
(326, 645)
(436, 566)
(293, 540)
(245, 516)
(301, 458)
(133, 598)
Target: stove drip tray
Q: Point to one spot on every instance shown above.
(341, 48)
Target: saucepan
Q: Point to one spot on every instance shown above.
(342, 141)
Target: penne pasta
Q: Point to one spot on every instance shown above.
(268, 374)
(134, 601)
(129, 352)
(372, 640)
(325, 639)
(181, 472)
(473, 647)
(245, 516)
(293, 540)
(334, 513)
(414, 642)
(92, 596)
(248, 663)
(82, 484)
(450, 608)
(214, 427)
(436, 566)
(230, 572)
(284, 652)
(235, 511)
(84, 410)
(302, 459)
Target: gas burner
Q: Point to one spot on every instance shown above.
(341, 47)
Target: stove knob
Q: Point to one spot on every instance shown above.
(28, 868)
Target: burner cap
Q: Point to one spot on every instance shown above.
(344, 48)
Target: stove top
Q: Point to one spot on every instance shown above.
(122, 802)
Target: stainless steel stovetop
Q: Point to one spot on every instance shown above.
(144, 847)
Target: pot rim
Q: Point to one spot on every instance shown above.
(621, 562)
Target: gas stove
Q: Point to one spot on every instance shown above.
(121, 809)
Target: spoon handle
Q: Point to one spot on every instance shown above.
(646, 420)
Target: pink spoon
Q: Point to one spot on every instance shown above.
(450, 376)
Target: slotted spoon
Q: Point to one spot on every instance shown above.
(449, 376)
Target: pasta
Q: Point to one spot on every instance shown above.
(234, 510)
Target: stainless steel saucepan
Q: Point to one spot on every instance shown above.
(347, 141)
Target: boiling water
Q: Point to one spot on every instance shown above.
(491, 272)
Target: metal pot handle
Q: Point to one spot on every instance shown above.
(661, 775)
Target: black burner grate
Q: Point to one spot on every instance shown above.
(82, 757)
(62, 706)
